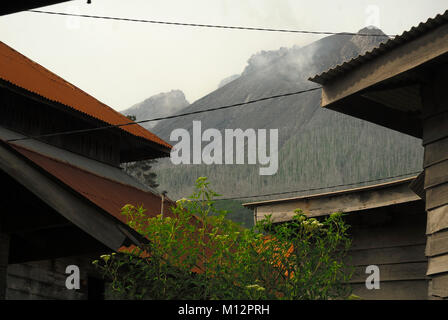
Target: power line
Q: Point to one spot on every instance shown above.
(212, 25)
(164, 118)
(320, 188)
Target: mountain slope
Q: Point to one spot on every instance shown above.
(317, 147)
(160, 105)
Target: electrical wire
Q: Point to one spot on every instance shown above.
(212, 25)
(164, 118)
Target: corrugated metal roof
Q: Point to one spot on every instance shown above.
(107, 194)
(405, 37)
(20, 71)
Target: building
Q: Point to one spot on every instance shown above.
(62, 193)
(387, 226)
(402, 85)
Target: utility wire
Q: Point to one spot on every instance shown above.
(164, 118)
(213, 25)
(320, 188)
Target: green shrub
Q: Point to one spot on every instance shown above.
(196, 253)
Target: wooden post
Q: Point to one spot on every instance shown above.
(4, 257)
(435, 142)
(163, 202)
(255, 215)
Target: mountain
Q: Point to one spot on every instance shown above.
(228, 80)
(317, 147)
(160, 105)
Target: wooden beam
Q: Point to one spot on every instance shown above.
(346, 202)
(72, 206)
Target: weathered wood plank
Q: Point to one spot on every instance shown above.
(32, 273)
(435, 128)
(437, 196)
(45, 290)
(436, 174)
(394, 290)
(437, 264)
(16, 294)
(393, 272)
(388, 236)
(437, 220)
(438, 286)
(437, 243)
(344, 202)
(377, 256)
(435, 152)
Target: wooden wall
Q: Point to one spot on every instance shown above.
(393, 238)
(435, 141)
(45, 280)
(29, 117)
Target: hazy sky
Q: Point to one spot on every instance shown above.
(122, 63)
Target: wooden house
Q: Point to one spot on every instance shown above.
(387, 227)
(402, 85)
(62, 192)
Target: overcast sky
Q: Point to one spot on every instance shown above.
(122, 63)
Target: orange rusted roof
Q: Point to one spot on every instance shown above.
(22, 72)
(109, 195)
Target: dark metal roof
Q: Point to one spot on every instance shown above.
(407, 36)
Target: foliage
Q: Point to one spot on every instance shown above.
(141, 170)
(236, 212)
(196, 253)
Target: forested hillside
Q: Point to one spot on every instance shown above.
(317, 147)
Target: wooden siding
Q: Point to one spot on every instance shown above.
(45, 280)
(388, 230)
(393, 239)
(435, 142)
(27, 116)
